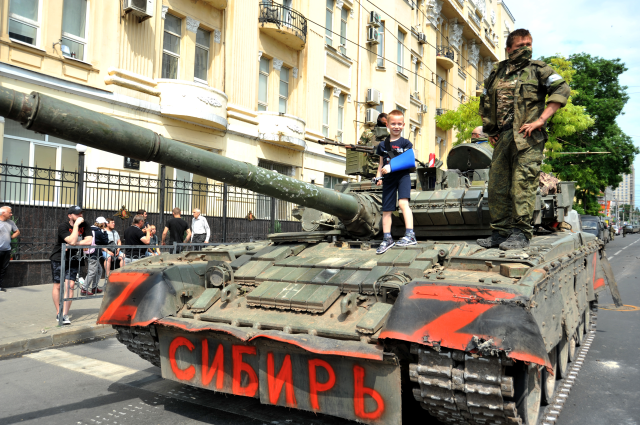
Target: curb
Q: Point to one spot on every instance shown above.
(72, 335)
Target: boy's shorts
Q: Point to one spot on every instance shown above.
(392, 183)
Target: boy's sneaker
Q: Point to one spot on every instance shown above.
(65, 320)
(407, 240)
(385, 245)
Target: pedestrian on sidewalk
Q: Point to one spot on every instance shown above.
(135, 236)
(8, 231)
(74, 232)
(176, 228)
(94, 272)
(153, 242)
(112, 254)
(143, 213)
(199, 229)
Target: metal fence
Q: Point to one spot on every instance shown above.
(40, 198)
(87, 268)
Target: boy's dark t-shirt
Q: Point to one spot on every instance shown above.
(64, 230)
(401, 145)
(132, 236)
(177, 227)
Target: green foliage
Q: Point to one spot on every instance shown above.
(578, 208)
(463, 120)
(597, 90)
(277, 227)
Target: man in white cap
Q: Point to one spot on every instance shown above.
(94, 272)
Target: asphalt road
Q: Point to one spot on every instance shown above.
(103, 383)
(607, 389)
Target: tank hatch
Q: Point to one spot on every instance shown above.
(469, 156)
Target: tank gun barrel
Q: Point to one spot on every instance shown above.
(76, 124)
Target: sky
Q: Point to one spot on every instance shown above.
(608, 29)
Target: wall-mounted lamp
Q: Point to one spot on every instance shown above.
(66, 51)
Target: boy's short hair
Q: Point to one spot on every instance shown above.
(396, 113)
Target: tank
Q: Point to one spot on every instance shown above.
(315, 320)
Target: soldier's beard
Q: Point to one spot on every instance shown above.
(520, 55)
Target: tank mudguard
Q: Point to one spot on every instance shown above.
(405, 161)
(472, 319)
(137, 298)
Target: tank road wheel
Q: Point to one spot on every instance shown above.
(549, 380)
(580, 331)
(573, 342)
(563, 357)
(529, 394)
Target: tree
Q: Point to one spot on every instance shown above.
(463, 120)
(597, 90)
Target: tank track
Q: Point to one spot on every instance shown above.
(460, 389)
(139, 340)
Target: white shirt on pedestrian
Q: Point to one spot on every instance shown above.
(200, 226)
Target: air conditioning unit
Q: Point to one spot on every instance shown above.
(374, 19)
(423, 109)
(143, 9)
(373, 97)
(440, 111)
(371, 116)
(373, 36)
(422, 38)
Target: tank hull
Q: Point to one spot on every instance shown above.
(462, 304)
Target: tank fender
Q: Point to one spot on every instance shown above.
(137, 298)
(473, 319)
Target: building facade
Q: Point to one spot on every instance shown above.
(624, 193)
(255, 80)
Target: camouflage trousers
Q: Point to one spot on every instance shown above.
(513, 182)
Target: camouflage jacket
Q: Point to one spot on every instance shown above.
(535, 81)
(367, 138)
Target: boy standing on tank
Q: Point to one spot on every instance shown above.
(395, 183)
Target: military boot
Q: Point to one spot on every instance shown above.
(517, 240)
(492, 241)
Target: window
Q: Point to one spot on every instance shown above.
(404, 111)
(24, 21)
(343, 31)
(326, 102)
(329, 23)
(401, 36)
(74, 29)
(442, 88)
(330, 181)
(415, 78)
(380, 63)
(263, 203)
(341, 102)
(31, 149)
(263, 85)
(284, 90)
(171, 46)
(203, 42)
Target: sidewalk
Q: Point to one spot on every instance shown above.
(28, 320)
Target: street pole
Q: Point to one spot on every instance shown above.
(161, 194)
(81, 150)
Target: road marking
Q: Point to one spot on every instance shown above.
(611, 258)
(618, 252)
(96, 368)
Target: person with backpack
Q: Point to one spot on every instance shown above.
(94, 272)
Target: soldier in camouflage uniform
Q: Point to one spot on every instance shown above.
(514, 115)
(368, 138)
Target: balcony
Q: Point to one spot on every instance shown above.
(284, 24)
(282, 129)
(445, 57)
(193, 102)
(218, 4)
